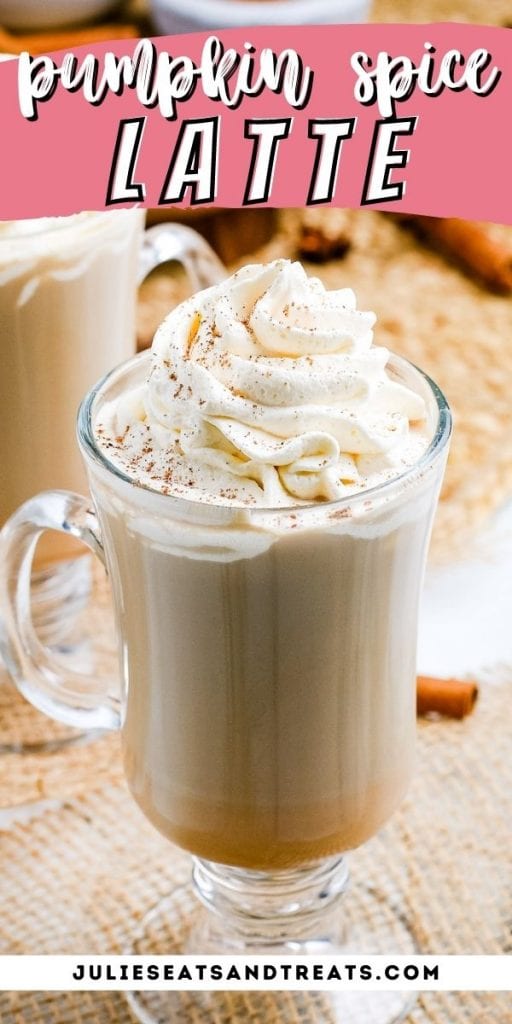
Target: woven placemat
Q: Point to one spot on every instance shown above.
(79, 875)
(499, 12)
(249, 1008)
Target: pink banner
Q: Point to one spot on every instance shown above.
(400, 117)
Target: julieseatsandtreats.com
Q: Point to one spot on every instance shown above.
(255, 973)
(273, 972)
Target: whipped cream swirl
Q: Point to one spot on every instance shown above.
(266, 390)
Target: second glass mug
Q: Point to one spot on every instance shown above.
(267, 701)
(67, 315)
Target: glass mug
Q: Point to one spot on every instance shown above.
(68, 289)
(268, 698)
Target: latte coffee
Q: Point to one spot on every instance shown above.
(271, 702)
(265, 498)
(67, 315)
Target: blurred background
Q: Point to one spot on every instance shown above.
(71, 844)
(167, 16)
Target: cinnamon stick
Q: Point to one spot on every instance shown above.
(324, 235)
(452, 698)
(46, 42)
(470, 245)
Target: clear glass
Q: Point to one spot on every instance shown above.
(68, 289)
(267, 700)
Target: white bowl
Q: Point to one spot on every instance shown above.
(198, 15)
(40, 14)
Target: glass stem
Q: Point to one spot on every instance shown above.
(295, 910)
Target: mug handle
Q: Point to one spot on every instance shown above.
(167, 242)
(80, 700)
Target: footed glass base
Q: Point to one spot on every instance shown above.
(287, 913)
(271, 1007)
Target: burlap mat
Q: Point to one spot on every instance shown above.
(79, 875)
(61, 772)
(499, 12)
(251, 1008)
